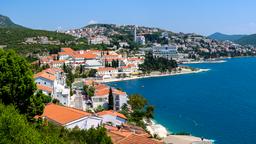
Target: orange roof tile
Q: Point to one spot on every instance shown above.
(106, 69)
(58, 61)
(137, 139)
(68, 50)
(111, 112)
(45, 75)
(101, 92)
(89, 55)
(118, 92)
(44, 88)
(63, 115)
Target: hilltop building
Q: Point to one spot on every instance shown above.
(139, 39)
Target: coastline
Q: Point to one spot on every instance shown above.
(184, 71)
(203, 62)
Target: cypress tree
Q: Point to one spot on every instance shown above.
(110, 100)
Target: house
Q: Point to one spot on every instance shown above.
(129, 134)
(58, 63)
(45, 89)
(52, 81)
(101, 94)
(70, 117)
(94, 64)
(113, 117)
(107, 72)
(168, 52)
(46, 79)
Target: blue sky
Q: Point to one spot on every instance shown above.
(199, 16)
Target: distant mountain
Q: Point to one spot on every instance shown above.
(223, 37)
(247, 40)
(6, 22)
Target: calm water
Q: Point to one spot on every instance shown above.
(219, 104)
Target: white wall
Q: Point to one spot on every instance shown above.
(44, 82)
(85, 123)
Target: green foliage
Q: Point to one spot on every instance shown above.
(125, 110)
(89, 90)
(55, 101)
(17, 84)
(14, 38)
(110, 100)
(92, 73)
(247, 40)
(150, 111)
(137, 101)
(140, 110)
(157, 64)
(91, 136)
(70, 76)
(156, 38)
(14, 127)
(99, 108)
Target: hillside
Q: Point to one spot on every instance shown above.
(28, 41)
(223, 37)
(247, 40)
(6, 22)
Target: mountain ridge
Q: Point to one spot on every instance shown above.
(223, 37)
(6, 22)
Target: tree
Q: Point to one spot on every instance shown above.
(37, 103)
(89, 90)
(110, 100)
(137, 101)
(92, 73)
(150, 111)
(17, 84)
(65, 68)
(15, 128)
(124, 110)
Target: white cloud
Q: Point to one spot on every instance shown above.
(92, 22)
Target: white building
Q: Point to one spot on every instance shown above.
(113, 117)
(101, 94)
(107, 72)
(141, 40)
(70, 117)
(52, 82)
(168, 52)
(94, 64)
(99, 40)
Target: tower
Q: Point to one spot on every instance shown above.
(135, 33)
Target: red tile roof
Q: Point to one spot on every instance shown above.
(89, 55)
(68, 50)
(44, 88)
(111, 112)
(137, 139)
(61, 114)
(45, 75)
(106, 69)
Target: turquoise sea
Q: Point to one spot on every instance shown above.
(219, 104)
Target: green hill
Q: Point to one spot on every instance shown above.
(6, 22)
(15, 38)
(223, 37)
(247, 40)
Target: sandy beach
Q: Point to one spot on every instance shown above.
(183, 71)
